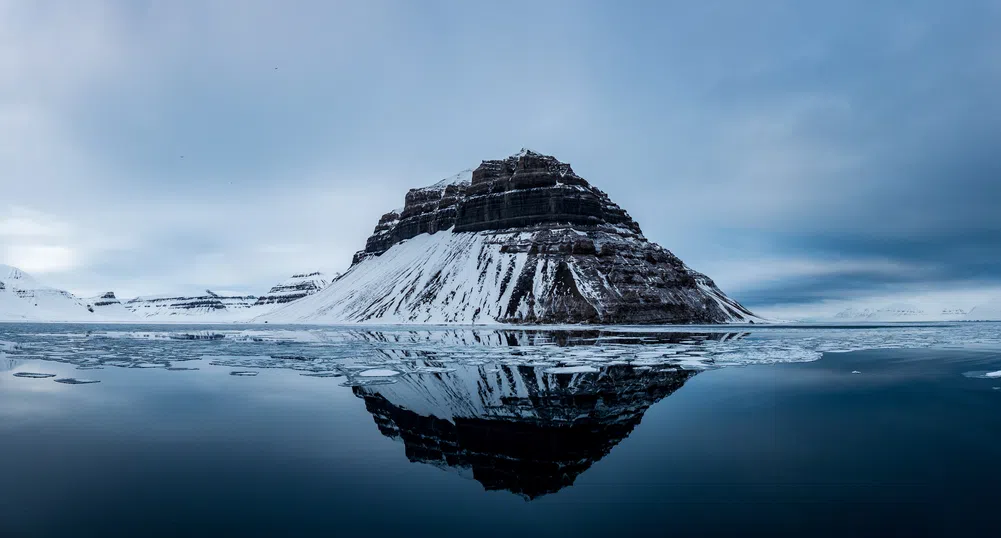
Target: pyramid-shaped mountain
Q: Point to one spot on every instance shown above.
(517, 240)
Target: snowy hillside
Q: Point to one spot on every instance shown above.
(450, 278)
(208, 307)
(108, 306)
(295, 288)
(22, 298)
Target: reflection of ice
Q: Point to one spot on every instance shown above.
(349, 351)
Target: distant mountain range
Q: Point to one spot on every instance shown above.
(989, 311)
(23, 298)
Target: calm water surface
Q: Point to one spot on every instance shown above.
(194, 431)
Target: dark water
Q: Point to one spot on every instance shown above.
(910, 446)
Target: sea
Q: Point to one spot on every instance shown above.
(749, 430)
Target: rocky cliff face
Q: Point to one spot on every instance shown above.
(521, 429)
(295, 288)
(518, 240)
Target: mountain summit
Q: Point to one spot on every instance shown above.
(517, 240)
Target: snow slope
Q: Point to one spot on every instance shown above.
(443, 278)
(208, 307)
(23, 298)
(109, 307)
(295, 288)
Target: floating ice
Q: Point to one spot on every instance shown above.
(382, 354)
(993, 374)
(33, 375)
(376, 372)
(856, 372)
(75, 381)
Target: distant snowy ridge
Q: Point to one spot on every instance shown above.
(295, 288)
(22, 298)
(208, 306)
(108, 305)
(900, 312)
(988, 311)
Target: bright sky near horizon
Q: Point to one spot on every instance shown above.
(805, 155)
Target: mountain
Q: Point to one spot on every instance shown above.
(522, 429)
(989, 311)
(295, 288)
(210, 306)
(22, 298)
(517, 240)
(220, 308)
(900, 312)
(108, 306)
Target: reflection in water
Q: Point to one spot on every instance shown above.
(7, 364)
(517, 428)
(350, 353)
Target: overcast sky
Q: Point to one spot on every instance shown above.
(803, 154)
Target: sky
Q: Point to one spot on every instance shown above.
(806, 155)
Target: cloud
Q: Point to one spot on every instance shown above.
(796, 153)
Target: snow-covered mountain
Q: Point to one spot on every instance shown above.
(22, 298)
(108, 306)
(219, 308)
(209, 306)
(900, 312)
(295, 288)
(523, 240)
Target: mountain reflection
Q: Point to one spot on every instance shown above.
(518, 428)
